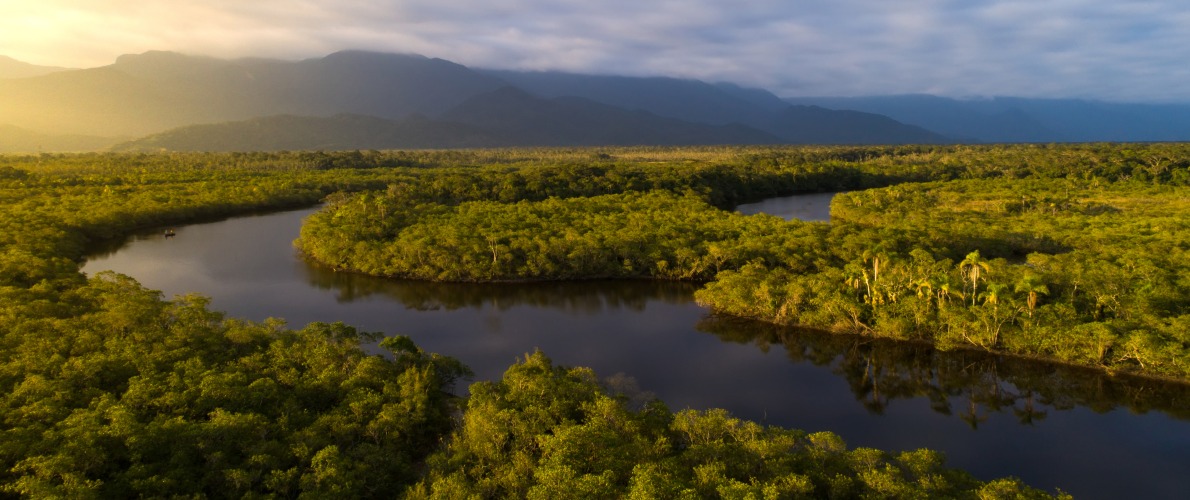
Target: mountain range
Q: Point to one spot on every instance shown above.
(1016, 119)
(367, 100)
(12, 68)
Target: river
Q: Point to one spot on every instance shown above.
(1091, 435)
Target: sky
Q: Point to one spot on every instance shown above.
(1114, 50)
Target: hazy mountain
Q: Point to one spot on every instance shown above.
(383, 85)
(340, 132)
(1009, 119)
(504, 117)
(1088, 121)
(523, 119)
(12, 68)
(689, 100)
(755, 96)
(156, 91)
(817, 125)
(970, 119)
(721, 104)
(98, 101)
(18, 140)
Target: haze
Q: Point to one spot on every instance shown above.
(1132, 51)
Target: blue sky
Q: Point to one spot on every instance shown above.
(1123, 50)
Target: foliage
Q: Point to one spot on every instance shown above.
(135, 396)
(111, 391)
(1077, 271)
(1070, 253)
(652, 234)
(546, 431)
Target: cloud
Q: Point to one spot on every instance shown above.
(1115, 50)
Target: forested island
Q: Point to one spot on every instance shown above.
(1074, 253)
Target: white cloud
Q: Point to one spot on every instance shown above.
(1117, 50)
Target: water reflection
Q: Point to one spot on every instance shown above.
(806, 207)
(1052, 426)
(589, 297)
(965, 384)
(102, 249)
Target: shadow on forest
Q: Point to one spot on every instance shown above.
(588, 297)
(968, 384)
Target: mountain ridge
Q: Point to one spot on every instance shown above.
(147, 94)
(18, 140)
(504, 117)
(1019, 119)
(12, 68)
(155, 91)
(158, 92)
(290, 132)
(577, 121)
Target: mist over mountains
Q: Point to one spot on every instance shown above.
(1016, 119)
(12, 68)
(366, 100)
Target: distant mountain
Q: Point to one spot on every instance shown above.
(101, 101)
(758, 97)
(817, 125)
(156, 91)
(12, 68)
(18, 140)
(1010, 119)
(504, 117)
(1090, 121)
(689, 100)
(525, 120)
(265, 103)
(722, 104)
(336, 133)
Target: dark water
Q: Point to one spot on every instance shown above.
(807, 207)
(1092, 436)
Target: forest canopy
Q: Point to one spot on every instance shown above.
(1003, 249)
(110, 389)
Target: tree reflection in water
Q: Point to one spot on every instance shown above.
(967, 384)
(963, 383)
(589, 297)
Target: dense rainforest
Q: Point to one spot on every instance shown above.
(1070, 253)
(111, 390)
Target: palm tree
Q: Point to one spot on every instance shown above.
(923, 287)
(1031, 285)
(972, 267)
(993, 293)
(944, 293)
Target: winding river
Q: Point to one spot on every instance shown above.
(1091, 435)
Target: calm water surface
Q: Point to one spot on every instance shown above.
(807, 207)
(1052, 427)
